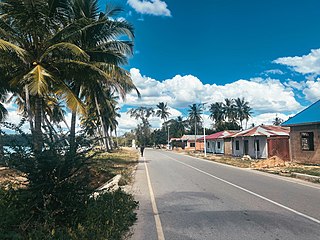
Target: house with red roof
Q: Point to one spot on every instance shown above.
(187, 142)
(219, 143)
(305, 135)
(262, 141)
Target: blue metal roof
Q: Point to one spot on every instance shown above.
(308, 116)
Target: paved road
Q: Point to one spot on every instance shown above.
(186, 198)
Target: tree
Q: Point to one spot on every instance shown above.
(242, 109)
(104, 42)
(277, 121)
(217, 113)
(195, 111)
(162, 111)
(35, 57)
(143, 131)
(229, 110)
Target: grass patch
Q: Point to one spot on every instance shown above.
(105, 166)
(237, 162)
(314, 171)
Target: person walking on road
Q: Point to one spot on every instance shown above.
(141, 150)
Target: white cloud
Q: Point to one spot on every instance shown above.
(273, 71)
(151, 7)
(312, 90)
(267, 118)
(126, 123)
(264, 95)
(307, 64)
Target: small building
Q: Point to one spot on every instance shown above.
(187, 142)
(219, 143)
(305, 135)
(262, 141)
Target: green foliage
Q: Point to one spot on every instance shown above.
(57, 202)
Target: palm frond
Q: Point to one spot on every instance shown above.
(10, 47)
(70, 47)
(36, 80)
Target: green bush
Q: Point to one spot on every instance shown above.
(56, 203)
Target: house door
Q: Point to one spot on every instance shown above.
(245, 147)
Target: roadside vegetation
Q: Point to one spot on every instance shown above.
(60, 57)
(272, 165)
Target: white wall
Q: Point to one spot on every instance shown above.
(251, 148)
(213, 146)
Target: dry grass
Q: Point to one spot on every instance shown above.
(273, 165)
(237, 162)
(107, 165)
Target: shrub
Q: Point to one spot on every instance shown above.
(56, 203)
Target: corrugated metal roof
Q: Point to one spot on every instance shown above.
(307, 116)
(264, 130)
(191, 137)
(216, 135)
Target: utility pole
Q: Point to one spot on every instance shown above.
(168, 137)
(204, 134)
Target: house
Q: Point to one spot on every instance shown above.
(305, 135)
(219, 143)
(187, 142)
(262, 141)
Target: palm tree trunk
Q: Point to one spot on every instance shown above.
(104, 136)
(73, 125)
(73, 131)
(37, 134)
(195, 135)
(29, 112)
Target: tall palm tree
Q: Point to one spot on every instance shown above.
(217, 113)
(242, 109)
(194, 116)
(162, 112)
(35, 57)
(102, 41)
(229, 109)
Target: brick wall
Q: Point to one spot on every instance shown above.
(302, 156)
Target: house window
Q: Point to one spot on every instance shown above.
(237, 145)
(208, 144)
(218, 145)
(307, 143)
(257, 145)
(192, 144)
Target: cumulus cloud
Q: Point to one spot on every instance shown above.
(306, 64)
(312, 90)
(267, 118)
(151, 7)
(263, 94)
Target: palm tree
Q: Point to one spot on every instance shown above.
(217, 113)
(102, 42)
(162, 111)
(195, 111)
(242, 109)
(229, 110)
(35, 57)
(277, 121)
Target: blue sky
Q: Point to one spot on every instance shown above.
(267, 51)
(204, 51)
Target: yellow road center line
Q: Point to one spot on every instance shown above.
(154, 206)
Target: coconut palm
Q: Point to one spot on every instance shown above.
(35, 57)
(229, 109)
(162, 111)
(194, 116)
(102, 42)
(217, 113)
(242, 109)
(277, 121)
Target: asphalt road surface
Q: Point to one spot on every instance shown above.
(185, 198)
